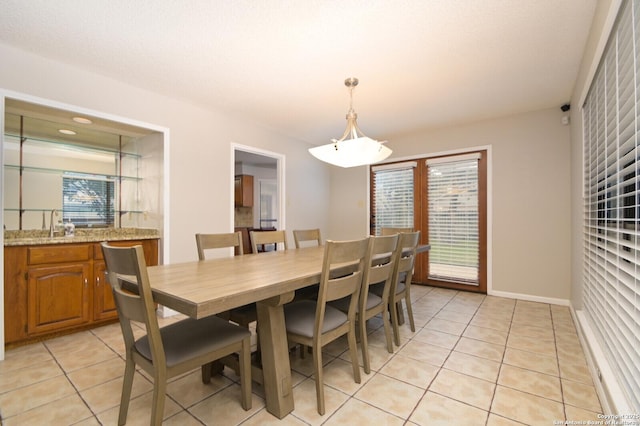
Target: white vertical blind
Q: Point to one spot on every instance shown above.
(393, 195)
(454, 219)
(612, 203)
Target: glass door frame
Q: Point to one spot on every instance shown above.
(421, 219)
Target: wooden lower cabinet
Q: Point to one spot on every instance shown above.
(58, 297)
(50, 289)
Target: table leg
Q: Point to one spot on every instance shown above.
(275, 355)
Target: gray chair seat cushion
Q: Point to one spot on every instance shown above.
(190, 338)
(300, 317)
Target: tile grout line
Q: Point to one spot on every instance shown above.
(555, 345)
(495, 389)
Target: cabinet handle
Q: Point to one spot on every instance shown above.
(98, 281)
(86, 282)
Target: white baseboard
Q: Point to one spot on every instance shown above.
(529, 297)
(609, 392)
(164, 312)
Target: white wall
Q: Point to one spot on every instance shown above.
(200, 146)
(349, 214)
(530, 195)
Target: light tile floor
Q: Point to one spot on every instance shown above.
(473, 360)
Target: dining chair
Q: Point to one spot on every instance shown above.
(216, 241)
(379, 267)
(260, 238)
(243, 315)
(391, 231)
(306, 237)
(401, 282)
(172, 350)
(315, 323)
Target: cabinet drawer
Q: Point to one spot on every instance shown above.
(59, 253)
(97, 254)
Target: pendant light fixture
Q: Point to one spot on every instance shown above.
(353, 148)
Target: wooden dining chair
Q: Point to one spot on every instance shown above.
(314, 323)
(260, 238)
(401, 282)
(379, 268)
(306, 237)
(243, 315)
(391, 231)
(172, 350)
(206, 242)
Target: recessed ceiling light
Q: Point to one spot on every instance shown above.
(82, 120)
(67, 132)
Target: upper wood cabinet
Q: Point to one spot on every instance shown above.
(244, 191)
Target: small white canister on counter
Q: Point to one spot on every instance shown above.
(69, 229)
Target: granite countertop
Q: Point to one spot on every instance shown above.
(36, 236)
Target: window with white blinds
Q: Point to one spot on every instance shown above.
(612, 202)
(393, 196)
(454, 219)
(88, 201)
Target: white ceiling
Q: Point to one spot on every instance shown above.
(282, 63)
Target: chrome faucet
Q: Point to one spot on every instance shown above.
(51, 228)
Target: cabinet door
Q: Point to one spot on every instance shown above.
(58, 297)
(243, 191)
(104, 307)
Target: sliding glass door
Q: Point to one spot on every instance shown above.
(445, 198)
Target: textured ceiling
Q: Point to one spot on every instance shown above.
(282, 63)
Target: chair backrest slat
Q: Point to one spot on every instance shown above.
(216, 241)
(267, 237)
(129, 306)
(391, 231)
(307, 237)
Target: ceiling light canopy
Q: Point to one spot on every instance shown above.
(353, 148)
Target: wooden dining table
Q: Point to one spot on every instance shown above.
(202, 288)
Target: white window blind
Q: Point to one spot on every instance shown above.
(612, 203)
(87, 200)
(454, 219)
(393, 196)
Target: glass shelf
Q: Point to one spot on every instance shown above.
(39, 163)
(123, 212)
(71, 147)
(69, 173)
(41, 131)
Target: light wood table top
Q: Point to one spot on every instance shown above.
(203, 288)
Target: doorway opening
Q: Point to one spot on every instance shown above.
(259, 191)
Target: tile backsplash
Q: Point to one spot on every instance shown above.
(243, 217)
